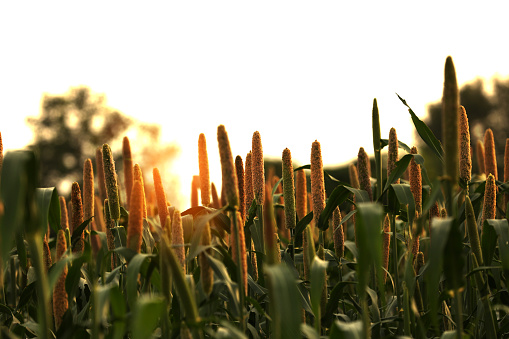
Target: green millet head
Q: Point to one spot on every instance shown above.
(110, 178)
(229, 175)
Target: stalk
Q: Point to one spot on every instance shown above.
(110, 223)
(317, 183)
(490, 199)
(258, 169)
(137, 175)
(364, 172)
(415, 177)
(43, 291)
(60, 302)
(128, 170)
(77, 216)
(162, 209)
(64, 221)
(195, 185)
(473, 234)
(177, 238)
(490, 324)
(215, 198)
(258, 175)
(450, 108)
(186, 299)
(301, 198)
(289, 195)
(203, 162)
(465, 156)
(110, 178)
(206, 272)
(392, 154)
(88, 201)
(395, 258)
(490, 159)
(377, 147)
(506, 172)
(459, 313)
(386, 244)
(338, 235)
(100, 173)
(269, 232)
(479, 151)
(239, 169)
(135, 227)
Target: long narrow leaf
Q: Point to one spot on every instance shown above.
(425, 133)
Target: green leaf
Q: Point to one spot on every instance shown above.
(301, 225)
(337, 197)
(49, 208)
(222, 275)
(118, 306)
(441, 228)
(404, 196)
(76, 234)
(335, 295)
(17, 192)
(385, 142)
(501, 227)
(55, 270)
(425, 133)
(318, 275)
(488, 242)
(397, 173)
(133, 270)
(369, 238)
(230, 331)
(285, 302)
(453, 266)
(199, 223)
(351, 330)
(146, 315)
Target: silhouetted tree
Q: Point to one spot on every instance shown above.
(484, 111)
(72, 125)
(68, 130)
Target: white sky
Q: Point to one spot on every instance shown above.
(279, 67)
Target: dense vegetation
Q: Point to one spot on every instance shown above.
(404, 257)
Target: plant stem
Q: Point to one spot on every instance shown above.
(43, 292)
(240, 271)
(459, 314)
(395, 260)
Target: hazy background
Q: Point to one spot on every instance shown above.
(295, 71)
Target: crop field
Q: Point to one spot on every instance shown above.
(389, 254)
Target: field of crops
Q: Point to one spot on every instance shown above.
(389, 254)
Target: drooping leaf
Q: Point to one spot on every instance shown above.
(337, 197)
(425, 132)
(385, 142)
